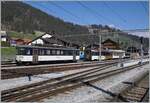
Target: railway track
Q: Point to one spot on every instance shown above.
(13, 65)
(37, 91)
(35, 70)
(138, 91)
(8, 65)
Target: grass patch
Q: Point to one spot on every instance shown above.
(22, 35)
(8, 51)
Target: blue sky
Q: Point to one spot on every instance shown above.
(123, 15)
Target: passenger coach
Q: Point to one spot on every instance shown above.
(105, 54)
(35, 54)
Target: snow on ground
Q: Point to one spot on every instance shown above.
(87, 94)
(16, 82)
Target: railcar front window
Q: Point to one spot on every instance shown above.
(28, 52)
(77, 53)
(21, 51)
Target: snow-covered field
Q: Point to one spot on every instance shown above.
(16, 82)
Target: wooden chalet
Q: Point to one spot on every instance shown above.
(110, 44)
(48, 39)
(107, 44)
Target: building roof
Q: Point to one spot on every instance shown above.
(16, 38)
(49, 40)
(27, 40)
(109, 40)
(37, 38)
(45, 47)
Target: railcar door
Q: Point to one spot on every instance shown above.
(35, 55)
(74, 55)
(88, 55)
(108, 55)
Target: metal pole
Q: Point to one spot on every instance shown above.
(141, 52)
(99, 47)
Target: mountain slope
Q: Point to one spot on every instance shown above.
(19, 16)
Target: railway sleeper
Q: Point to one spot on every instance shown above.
(138, 93)
(129, 98)
(134, 95)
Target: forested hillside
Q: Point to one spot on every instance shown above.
(19, 17)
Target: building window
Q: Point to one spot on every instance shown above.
(28, 52)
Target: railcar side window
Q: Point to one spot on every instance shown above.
(70, 52)
(61, 52)
(58, 52)
(39, 51)
(42, 52)
(48, 52)
(53, 52)
(65, 52)
(22, 51)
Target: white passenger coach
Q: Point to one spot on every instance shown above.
(35, 54)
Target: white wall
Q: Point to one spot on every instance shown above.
(40, 41)
(47, 36)
(3, 39)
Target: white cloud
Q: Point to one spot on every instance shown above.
(142, 33)
(112, 25)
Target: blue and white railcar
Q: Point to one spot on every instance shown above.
(34, 54)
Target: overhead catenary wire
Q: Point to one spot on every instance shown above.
(67, 11)
(110, 8)
(92, 11)
(50, 10)
(97, 14)
(146, 10)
